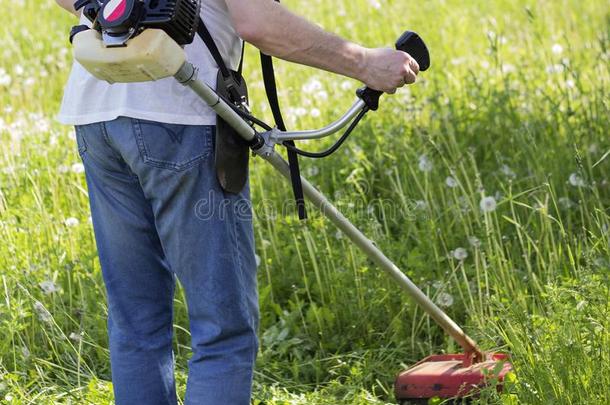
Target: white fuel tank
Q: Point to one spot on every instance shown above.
(152, 55)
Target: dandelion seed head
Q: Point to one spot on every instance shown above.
(575, 180)
(488, 204)
(5, 78)
(425, 165)
(508, 68)
(420, 205)
(315, 113)
(507, 171)
(346, 85)
(565, 203)
(444, 299)
(451, 182)
(312, 85)
(43, 314)
(48, 287)
(257, 259)
(71, 222)
(556, 68)
(375, 4)
(557, 49)
(460, 254)
(77, 168)
(312, 171)
(474, 241)
(77, 337)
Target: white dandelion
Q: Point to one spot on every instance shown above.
(556, 68)
(338, 235)
(425, 165)
(557, 49)
(5, 78)
(77, 168)
(48, 287)
(71, 222)
(488, 204)
(315, 113)
(444, 299)
(507, 68)
(322, 95)
(565, 203)
(346, 85)
(375, 4)
(474, 241)
(313, 85)
(420, 205)
(575, 180)
(507, 171)
(460, 254)
(312, 171)
(43, 313)
(25, 352)
(451, 182)
(77, 337)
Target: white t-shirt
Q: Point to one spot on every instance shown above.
(88, 100)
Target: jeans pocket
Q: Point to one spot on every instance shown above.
(80, 140)
(172, 146)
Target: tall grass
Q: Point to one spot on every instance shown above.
(515, 107)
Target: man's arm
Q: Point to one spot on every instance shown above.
(278, 32)
(68, 5)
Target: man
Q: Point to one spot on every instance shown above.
(147, 152)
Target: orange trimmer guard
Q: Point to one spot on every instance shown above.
(451, 376)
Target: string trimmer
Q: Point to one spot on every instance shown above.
(136, 41)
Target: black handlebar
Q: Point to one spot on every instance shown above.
(410, 43)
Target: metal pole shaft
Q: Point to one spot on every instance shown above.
(187, 76)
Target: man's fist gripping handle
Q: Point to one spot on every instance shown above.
(410, 43)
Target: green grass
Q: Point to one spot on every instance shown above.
(515, 106)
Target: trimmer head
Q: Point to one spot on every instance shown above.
(450, 376)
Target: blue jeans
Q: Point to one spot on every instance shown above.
(158, 213)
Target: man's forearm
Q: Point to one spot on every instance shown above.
(278, 32)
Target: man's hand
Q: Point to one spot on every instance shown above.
(278, 32)
(387, 69)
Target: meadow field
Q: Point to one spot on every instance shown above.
(487, 182)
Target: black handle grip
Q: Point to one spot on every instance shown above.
(410, 43)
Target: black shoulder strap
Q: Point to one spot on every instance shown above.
(271, 90)
(205, 35)
(293, 158)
